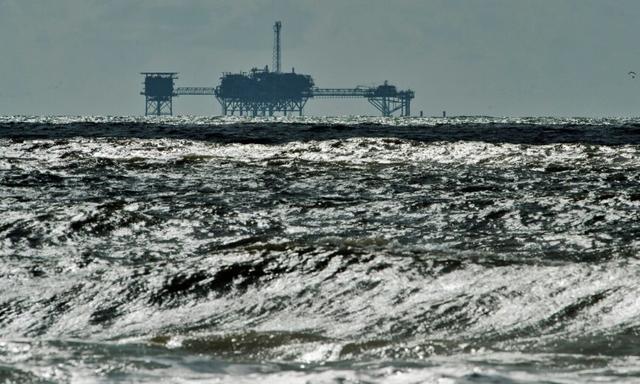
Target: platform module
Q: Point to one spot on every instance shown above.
(159, 92)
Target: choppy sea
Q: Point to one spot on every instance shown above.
(319, 250)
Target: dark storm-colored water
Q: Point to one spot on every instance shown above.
(315, 250)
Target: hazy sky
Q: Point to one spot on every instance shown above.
(469, 57)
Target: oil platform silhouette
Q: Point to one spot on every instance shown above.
(265, 92)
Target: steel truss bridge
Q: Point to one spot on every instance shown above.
(387, 103)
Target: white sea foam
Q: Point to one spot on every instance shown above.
(441, 261)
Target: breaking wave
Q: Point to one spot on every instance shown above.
(319, 250)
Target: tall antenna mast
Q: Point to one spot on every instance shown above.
(276, 46)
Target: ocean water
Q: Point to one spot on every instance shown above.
(319, 250)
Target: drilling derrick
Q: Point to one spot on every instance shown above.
(277, 52)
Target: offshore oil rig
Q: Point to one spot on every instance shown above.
(264, 92)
